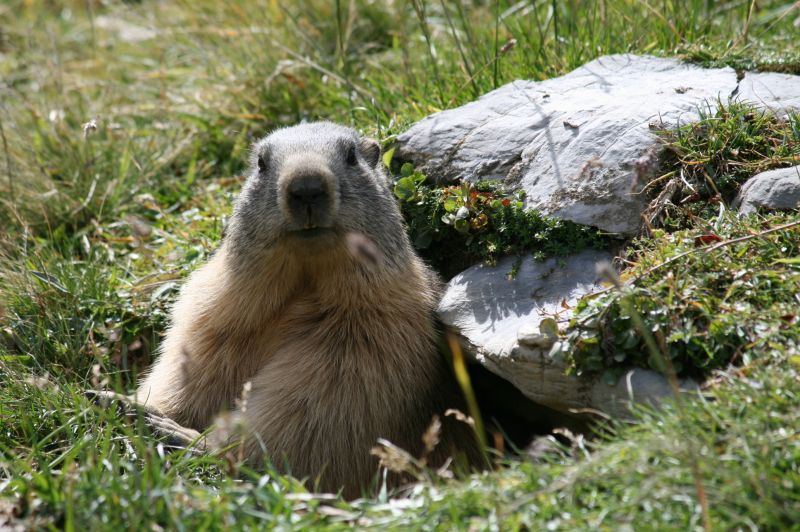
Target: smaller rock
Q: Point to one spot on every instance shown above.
(511, 327)
(527, 336)
(779, 93)
(773, 190)
(490, 310)
(544, 337)
(638, 385)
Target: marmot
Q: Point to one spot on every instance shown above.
(338, 350)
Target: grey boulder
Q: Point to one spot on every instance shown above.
(501, 322)
(582, 145)
(489, 309)
(776, 92)
(772, 190)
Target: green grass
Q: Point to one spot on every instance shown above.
(715, 155)
(185, 105)
(99, 225)
(68, 464)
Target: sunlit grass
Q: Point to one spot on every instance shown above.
(99, 222)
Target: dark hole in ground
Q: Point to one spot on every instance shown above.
(507, 411)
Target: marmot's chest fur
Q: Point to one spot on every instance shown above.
(357, 357)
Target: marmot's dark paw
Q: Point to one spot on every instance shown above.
(175, 435)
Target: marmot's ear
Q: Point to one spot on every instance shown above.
(262, 161)
(371, 150)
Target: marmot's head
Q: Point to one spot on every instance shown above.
(311, 187)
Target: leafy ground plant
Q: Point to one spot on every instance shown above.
(714, 289)
(456, 226)
(710, 298)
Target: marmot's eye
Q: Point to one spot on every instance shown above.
(262, 164)
(351, 155)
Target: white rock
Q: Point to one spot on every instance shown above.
(773, 190)
(489, 309)
(533, 338)
(574, 143)
(776, 92)
(582, 145)
(543, 380)
(498, 318)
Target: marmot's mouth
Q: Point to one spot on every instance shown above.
(312, 232)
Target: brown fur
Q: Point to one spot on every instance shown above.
(339, 353)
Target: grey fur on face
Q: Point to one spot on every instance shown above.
(312, 185)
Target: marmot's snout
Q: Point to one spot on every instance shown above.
(308, 199)
(308, 196)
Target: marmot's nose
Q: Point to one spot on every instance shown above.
(307, 190)
(308, 199)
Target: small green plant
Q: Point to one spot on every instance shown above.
(710, 300)
(459, 225)
(723, 149)
(714, 156)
